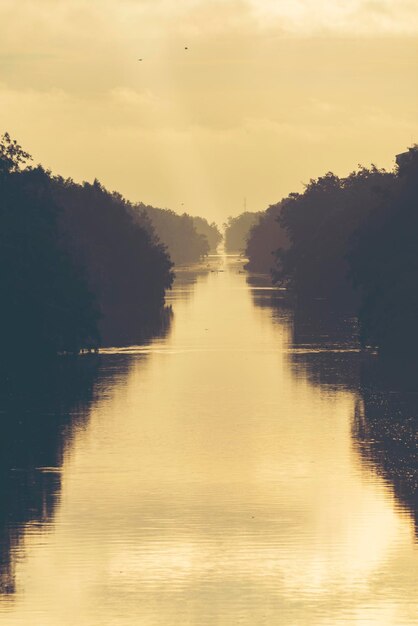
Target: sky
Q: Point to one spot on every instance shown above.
(269, 93)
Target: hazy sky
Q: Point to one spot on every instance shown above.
(269, 94)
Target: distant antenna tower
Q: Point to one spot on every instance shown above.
(245, 204)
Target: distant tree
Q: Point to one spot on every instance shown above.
(210, 231)
(176, 232)
(237, 230)
(264, 238)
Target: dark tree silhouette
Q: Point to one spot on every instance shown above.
(264, 238)
(128, 269)
(237, 230)
(178, 233)
(76, 269)
(12, 155)
(47, 306)
(320, 224)
(210, 231)
(384, 266)
(352, 242)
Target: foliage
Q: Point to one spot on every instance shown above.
(237, 230)
(263, 240)
(76, 269)
(12, 155)
(319, 224)
(128, 269)
(384, 266)
(353, 242)
(47, 306)
(176, 232)
(210, 231)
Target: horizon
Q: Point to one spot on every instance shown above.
(244, 208)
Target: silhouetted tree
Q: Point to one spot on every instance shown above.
(128, 269)
(237, 230)
(210, 231)
(76, 269)
(320, 224)
(264, 238)
(12, 155)
(384, 266)
(176, 232)
(47, 306)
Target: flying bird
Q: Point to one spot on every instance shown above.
(186, 48)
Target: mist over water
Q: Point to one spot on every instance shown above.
(235, 470)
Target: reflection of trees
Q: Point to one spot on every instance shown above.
(322, 341)
(272, 299)
(322, 349)
(39, 412)
(324, 346)
(187, 277)
(385, 428)
(140, 333)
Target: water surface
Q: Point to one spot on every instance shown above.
(233, 471)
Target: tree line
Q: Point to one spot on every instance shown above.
(187, 238)
(351, 241)
(236, 230)
(81, 266)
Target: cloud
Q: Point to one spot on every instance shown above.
(265, 87)
(94, 45)
(65, 24)
(338, 17)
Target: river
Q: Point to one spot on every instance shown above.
(234, 470)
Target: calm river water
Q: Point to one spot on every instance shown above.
(246, 467)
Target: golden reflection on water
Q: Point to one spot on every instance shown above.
(214, 483)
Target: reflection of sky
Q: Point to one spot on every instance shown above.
(217, 486)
